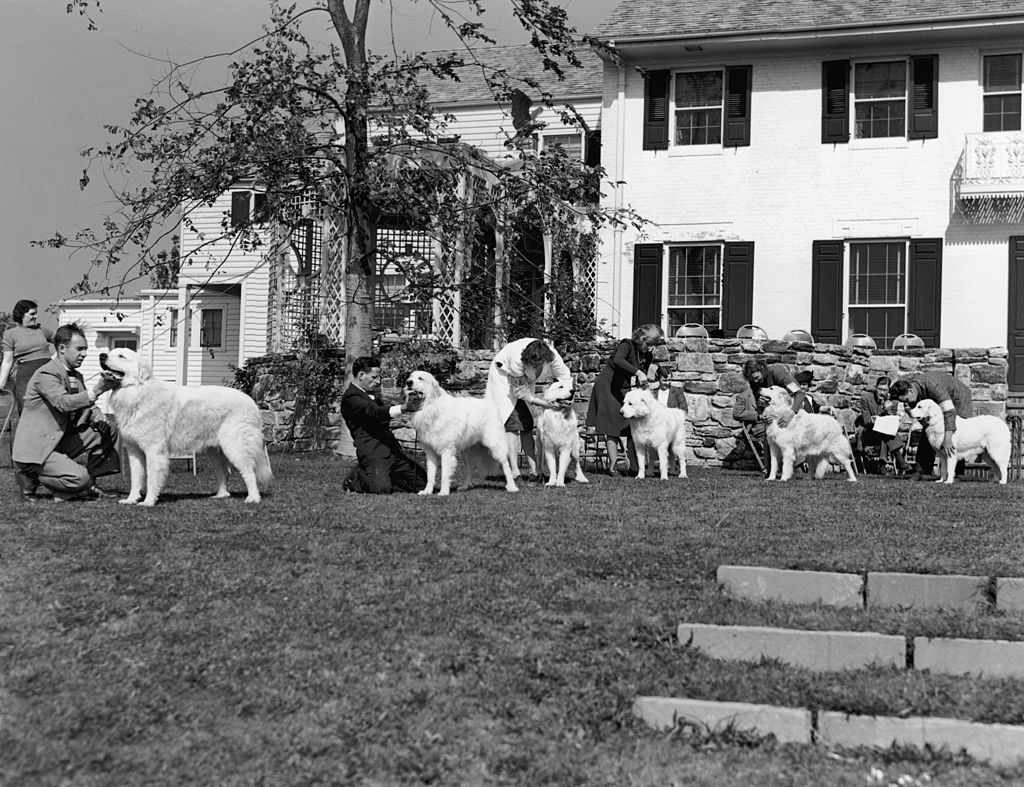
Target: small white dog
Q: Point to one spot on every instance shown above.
(655, 426)
(982, 435)
(794, 438)
(157, 419)
(447, 426)
(559, 434)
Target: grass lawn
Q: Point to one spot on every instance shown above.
(325, 638)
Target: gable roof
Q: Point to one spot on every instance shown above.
(520, 61)
(650, 19)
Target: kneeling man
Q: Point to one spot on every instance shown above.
(62, 441)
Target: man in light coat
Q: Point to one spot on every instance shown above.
(511, 383)
(62, 441)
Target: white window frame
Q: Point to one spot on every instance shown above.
(223, 327)
(704, 148)
(544, 136)
(848, 245)
(854, 100)
(666, 278)
(173, 321)
(1020, 88)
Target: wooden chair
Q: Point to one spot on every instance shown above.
(754, 449)
(593, 449)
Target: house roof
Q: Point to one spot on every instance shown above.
(650, 19)
(520, 61)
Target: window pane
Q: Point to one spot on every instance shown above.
(882, 325)
(709, 318)
(699, 89)
(571, 143)
(880, 80)
(1002, 113)
(877, 273)
(695, 277)
(877, 119)
(699, 127)
(173, 328)
(210, 331)
(1002, 72)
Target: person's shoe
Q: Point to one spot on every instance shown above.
(29, 497)
(102, 493)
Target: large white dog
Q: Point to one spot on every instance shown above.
(793, 438)
(157, 419)
(982, 435)
(447, 426)
(559, 434)
(657, 427)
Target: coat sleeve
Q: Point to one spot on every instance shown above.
(364, 408)
(51, 387)
(621, 359)
(745, 407)
(678, 399)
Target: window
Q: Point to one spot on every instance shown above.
(127, 343)
(880, 99)
(211, 328)
(694, 287)
(1002, 92)
(246, 205)
(877, 290)
(571, 143)
(698, 108)
(172, 329)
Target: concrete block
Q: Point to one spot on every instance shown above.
(996, 744)
(792, 587)
(1010, 594)
(823, 651)
(970, 656)
(842, 729)
(788, 725)
(924, 591)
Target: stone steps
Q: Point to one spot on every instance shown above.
(842, 651)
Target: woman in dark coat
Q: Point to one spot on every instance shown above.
(628, 364)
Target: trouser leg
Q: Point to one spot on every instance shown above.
(63, 475)
(925, 456)
(406, 475)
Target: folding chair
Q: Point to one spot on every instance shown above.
(754, 448)
(592, 449)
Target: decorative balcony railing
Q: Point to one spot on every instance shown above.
(993, 165)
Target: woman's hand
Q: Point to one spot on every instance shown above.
(641, 377)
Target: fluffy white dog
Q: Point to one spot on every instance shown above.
(559, 434)
(794, 438)
(447, 426)
(657, 427)
(982, 435)
(157, 419)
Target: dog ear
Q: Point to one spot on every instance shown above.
(433, 386)
(784, 417)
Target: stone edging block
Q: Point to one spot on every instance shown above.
(817, 650)
(788, 725)
(925, 591)
(989, 657)
(997, 744)
(792, 587)
(1010, 594)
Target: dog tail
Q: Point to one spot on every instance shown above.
(264, 475)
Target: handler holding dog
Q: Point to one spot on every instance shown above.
(511, 378)
(383, 466)
(953, 397)
(62, 442)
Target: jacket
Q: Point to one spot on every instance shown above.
(56, 403)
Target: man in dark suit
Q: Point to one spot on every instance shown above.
(951, 395)
(383, 466)
(62, 441)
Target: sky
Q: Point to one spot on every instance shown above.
(65, 82)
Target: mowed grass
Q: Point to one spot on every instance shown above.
(487, 638)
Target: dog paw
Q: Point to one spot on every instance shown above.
(250, 499)
(225, 493)
(582, 479)
(552, 482)
(512, 488)
(148, 503)
(425, 492)
(129, 501)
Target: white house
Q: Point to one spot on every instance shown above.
(842, 168)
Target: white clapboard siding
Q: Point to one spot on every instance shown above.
(101, 320)
(214, 365)
(207, 256)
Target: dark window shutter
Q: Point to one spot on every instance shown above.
(239, 208)
(835, 102)
(647, 283)
(827, 291)
(737, 286)
(924, 97)
(592, 154)
(737, 106)
(259, 206)
(656, 109)
(924, 293)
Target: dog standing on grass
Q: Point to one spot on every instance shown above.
(655, 426)
(982, 435)
(559, 433)
(157, 419)
(449, 426)
(797, 437)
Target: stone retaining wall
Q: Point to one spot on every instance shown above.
(709, 370)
